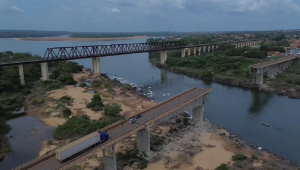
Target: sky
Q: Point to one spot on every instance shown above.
(149, 15)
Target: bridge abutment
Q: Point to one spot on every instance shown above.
(45, 73)
(96, 66)
(21, 73)
(143, 140)
(259, 76)
(110, 162)
(163, 57)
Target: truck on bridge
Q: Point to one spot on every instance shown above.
(81, 145)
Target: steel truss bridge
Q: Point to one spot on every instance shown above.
(81, 52)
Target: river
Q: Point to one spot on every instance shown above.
(240, 111)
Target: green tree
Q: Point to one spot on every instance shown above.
(112, 109)
(96, 104)
(66, 113)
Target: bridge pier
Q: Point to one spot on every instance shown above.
(199, 51)
(143, 140)
(163, 57)
(195, 51)
(198, 112)
(96, 66)
(271, 72)
(21, 73)
(45, 73)
(110, 162)
(182, 53)
(189, 51)
(208, 48)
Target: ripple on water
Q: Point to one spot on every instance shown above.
(27, 135)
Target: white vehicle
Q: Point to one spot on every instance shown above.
(132, 120)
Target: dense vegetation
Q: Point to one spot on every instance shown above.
(30, 33)
(210, 66)
(81, 125)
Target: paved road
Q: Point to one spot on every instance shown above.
(53, 163)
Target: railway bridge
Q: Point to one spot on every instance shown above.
(193, 99)
(97, 51)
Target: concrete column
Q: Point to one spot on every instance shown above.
(110, 163)
(204, 49)
(143, 140)
(189, 52)
(208, 48)
(163, 57)
(199, 51)
(195, 51)
(271, 72)
(212, 48)
(258, 76)
(96, 66)
(197, 113)
(182, 53)
(21, 74)
(236, 45)
(45, 73)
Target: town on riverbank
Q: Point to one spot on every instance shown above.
(73, 97)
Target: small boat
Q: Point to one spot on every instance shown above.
(266, 124)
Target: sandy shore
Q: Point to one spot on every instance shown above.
(77, 39)
(51, 115)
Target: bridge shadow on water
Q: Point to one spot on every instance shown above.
(258, 102)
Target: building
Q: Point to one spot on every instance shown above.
(274, 53)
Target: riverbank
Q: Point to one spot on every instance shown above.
(288, 86)
(78, 39)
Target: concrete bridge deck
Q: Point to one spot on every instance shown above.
(123, 129)
(270, 68)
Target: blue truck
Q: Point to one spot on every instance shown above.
(103, 136)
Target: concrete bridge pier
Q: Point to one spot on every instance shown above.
(45, 73)
(271, 72)
(96, 66)
(189, 52)
(110, 162)
(199, 51)
(163, 57)
(208, 48)
(204, 49)
(195, 51)
(182, 53)
(143, 140)
(258, 77)
(212, 48)
(198, 112)
(21, 73)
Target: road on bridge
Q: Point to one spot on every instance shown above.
(52, 163)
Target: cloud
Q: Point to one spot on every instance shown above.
(111, 10)
(14, 8)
